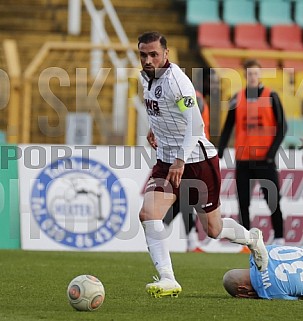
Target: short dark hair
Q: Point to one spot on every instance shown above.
(151, 36)
(251, 63)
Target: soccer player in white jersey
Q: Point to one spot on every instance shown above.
(187, 164)
(281, 280)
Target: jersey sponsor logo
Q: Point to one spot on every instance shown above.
(78, 202)
(158, 91)
(152, 107)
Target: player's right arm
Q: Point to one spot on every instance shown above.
(151, 139)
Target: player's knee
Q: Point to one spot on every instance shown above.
(214, 231)
(142, 216)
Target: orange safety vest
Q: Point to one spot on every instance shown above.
(205, 113)
(255, 126)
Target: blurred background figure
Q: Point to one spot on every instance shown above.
(260, 126)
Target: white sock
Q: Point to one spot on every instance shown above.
(234, 232)
(279, 241)
(155, 235)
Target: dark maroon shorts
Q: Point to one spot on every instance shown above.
(199, 188)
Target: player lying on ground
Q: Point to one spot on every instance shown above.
(283, 278)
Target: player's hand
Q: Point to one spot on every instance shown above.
(175, 173)
(151, 139)
(246, 292)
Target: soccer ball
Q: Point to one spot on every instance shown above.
(85, 293)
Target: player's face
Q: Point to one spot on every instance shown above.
(152, 56)
(253, 75)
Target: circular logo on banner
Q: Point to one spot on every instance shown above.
(79, 202)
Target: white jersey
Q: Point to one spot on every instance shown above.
(177, 132)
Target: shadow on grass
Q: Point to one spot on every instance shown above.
(205, 296)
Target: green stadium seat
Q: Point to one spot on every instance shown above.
(198, 11)
(273, 12)
(298, 13)
(294, 133)
(235, 13)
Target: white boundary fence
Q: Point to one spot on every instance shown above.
(88, 198)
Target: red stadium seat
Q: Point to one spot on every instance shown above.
(291, 63)
(250, 36)
(286, 37)
(215, 35)
(268, 62)
(229, 62)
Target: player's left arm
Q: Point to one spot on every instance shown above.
(185, 97)
(191, 112)
(281, 126)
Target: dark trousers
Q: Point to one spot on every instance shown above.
(247, 173)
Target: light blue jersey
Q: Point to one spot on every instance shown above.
(283, 279)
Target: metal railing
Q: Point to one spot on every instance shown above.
(99, 35)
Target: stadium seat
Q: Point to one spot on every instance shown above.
(272, 12)
(286, 37)
(292, 63)
(229, 62)
(294, 132)
(298, 13)
(233, 13)
(250, 36)
(198, 11)
(268, 62)
(216, 35)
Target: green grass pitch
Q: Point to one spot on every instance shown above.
(33, 287)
